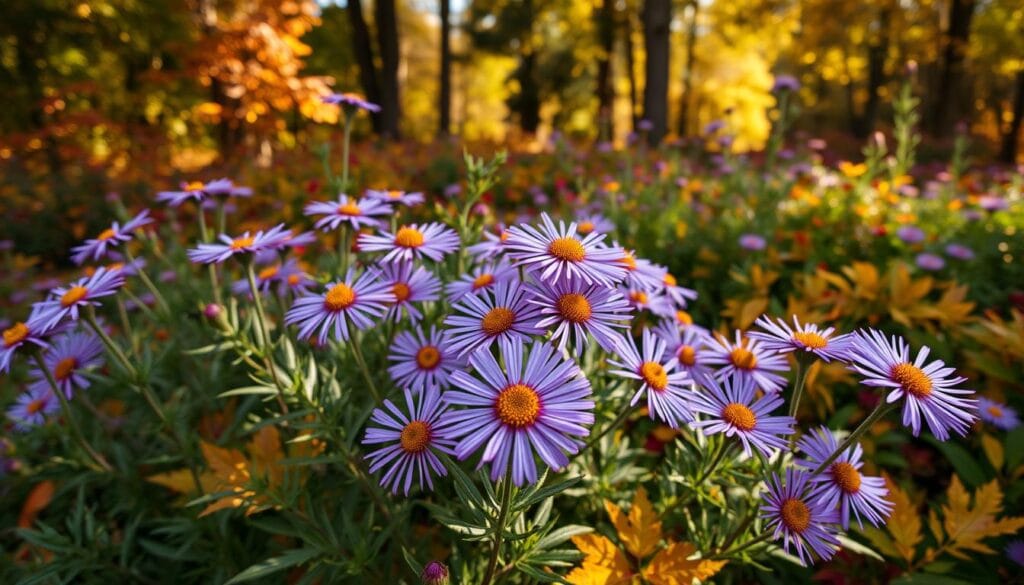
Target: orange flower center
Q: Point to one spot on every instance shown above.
(395, 194)
(912, 380)
(796, 515)
(683, 318)
(340, 297)
(349, 208)
(401, 291)
(629, 261)
(195, 186)
(574, 307)
(64, 368)
(74, 294)
(15, 334)
(585, 228)
(639, 297)
(483, 280)
(810, 340)
(846, 477)
(428, 357)
(105, 234)
(497, 320)
(995, 411)
(293, 279)
(243, 242)
(503, 237)
(670, 280)
(654, 375)
(269, 272)
(415, 437)
(568, 249)
(35, 406)
(739, 416)
(409, 237)
(743, 358)
(687, 355)
(518, 406)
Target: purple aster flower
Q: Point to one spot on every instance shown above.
(928, 261)
(350, 100)
(747, 358)
(732, 409)
(433, 240)
(66, 301)
(226, 188)
(247, 243)
(679, 295)
(199, 191)
(556, 252)
(20, 334)
(927, 390)
(412, 441)
(993, 203)
(806, 338)
(593, 222)
(423, 360)
(481, 278)
(396, 197)
(643, 300)
(753, 242)
(572, 309)
(666, 387)
(282, 277)
(642, 274)
(115, 235)
(352, 300)
(910, 234)
(354, 212)
(785, 83)
(841, 483)
(804, 524)
(998, 415)
(1015, 551)
(69, 355)
(494, 244)
(504, 313)
(960, 252)
(539, 403)
(32, 407)
(688, 345)
(409, 285)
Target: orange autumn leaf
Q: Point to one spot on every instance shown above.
(673, 566)
(904, 523)
(967, 526)
(640, 532)
(37, 501)
(603, 563)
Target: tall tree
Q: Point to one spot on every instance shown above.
(445, 94)
(363, 48)
(946, 105)
(656, 16)
(604, 16)
(1012, 137)
(693, 8)
(387, 39)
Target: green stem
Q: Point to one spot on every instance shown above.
(357, 352)
(618, 420)
(719, 456)
(756, 540)
(506, 498)
(880, 411)
(344, 247)
(798, 388)
(76, 431)
(211, 269)
(160, 301)
(263, 337)
(344, 152)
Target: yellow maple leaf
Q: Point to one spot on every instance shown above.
(904, 524)
(640, 532)
(673, 566)
(603, 563)
(966, 527)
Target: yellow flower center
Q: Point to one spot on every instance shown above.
(654, 375)
(105, 234)
(401, 291)
(349, 208)
(670, 280)
(687, 355)
(503, 237)
(15, 334)
(574, 307)
(639, 297)
(743, 358)
(497, 320)
(395, 194)
(243, 242)
(293, 279)
(415, 437)
(912, 380)
(683, 318)
(585, 228)
(483, 280)
(739, 416)
(35, 406)
(64, 368)
(810, 339)
(568, 249)
(518, 406)
(409, 237)
(269, 272)
(340, 297)
(74, 294)
(428, 357)
(629, 261)
(995, 411)
(846, 477)
(795, 515)
(195, 186)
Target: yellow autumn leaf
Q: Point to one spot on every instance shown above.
(993, 450)
(673, 566)
(180, 480)
(640, 532)
(265, 456)
(904, 524)
(603, 562)
(966, 527)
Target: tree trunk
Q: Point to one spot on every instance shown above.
(363, 48)
(445, 96)
(528, 100)
(657, 15)
(877, 52)
(387, 39)
(605, 17)
(631, 66)
(1008, 153)
(691, 42)
(947, 98)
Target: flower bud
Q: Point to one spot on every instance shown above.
(435, 573)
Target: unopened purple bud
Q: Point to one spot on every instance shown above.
(212, 310)
(435, 573)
